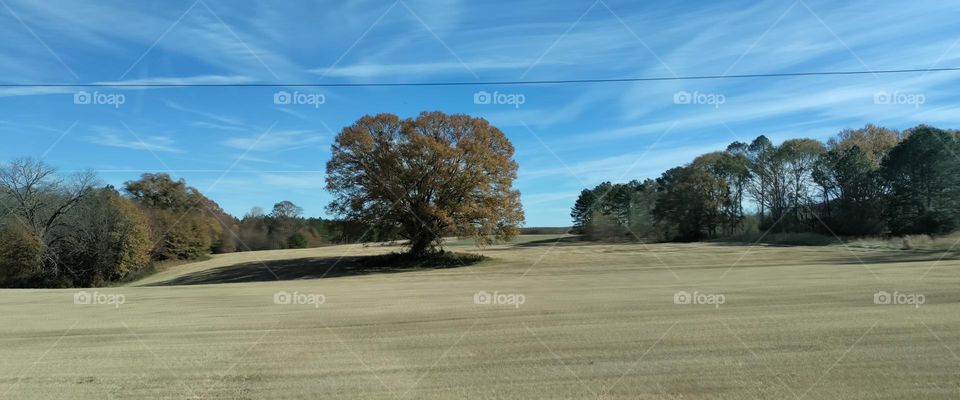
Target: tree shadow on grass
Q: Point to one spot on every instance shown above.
(321, 267)
(898, 256)
(572, 239)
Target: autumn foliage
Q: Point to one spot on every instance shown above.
(430, 176)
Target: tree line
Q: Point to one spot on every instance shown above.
(863, 182)
(64, 231)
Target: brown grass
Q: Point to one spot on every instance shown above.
(597, 320)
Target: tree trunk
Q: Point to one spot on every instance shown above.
(421, 245)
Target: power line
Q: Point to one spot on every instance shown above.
(478, 83)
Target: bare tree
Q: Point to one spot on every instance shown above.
(39, 199)
(286, 209)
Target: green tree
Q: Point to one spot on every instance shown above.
(922, 173)
(642, 223)
(626, 205)
(689, 203)
(583, 209)
(297, 241)
(731, 172)
(605, 227)
(860, 193)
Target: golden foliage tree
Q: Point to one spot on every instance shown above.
(433, 175)
(21, 256)
(126, 232)
(185, 223)
(108, 239)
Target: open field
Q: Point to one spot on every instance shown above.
(597, 321)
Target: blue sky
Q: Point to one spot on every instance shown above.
(242, 149)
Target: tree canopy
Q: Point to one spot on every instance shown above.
(430, 176)
(867, 181)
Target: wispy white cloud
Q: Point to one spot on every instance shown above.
(186, 80)
(276, 141)
(549, 197)
(26, 127)
(214, 121)
(110, 137)
(375, 70)
(213, 125)
(551, 110)
(298, 115)
(295, 181)
(223, 37)
(624, 166)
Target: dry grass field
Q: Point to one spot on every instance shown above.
(566, 320)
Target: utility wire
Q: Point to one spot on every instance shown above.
(481, 83)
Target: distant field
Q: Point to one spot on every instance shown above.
(596, 321)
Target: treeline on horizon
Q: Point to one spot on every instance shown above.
(67, 231)
(871, 181)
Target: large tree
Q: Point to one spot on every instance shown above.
(800, 158)
(922, 174)
(874, 141)
(616, 210)
(433, 175)
(689, 205)
(108, 239)
(185, 223)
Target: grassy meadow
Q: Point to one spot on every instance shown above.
(563, 320)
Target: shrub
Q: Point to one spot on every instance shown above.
(297, 241)
(605, 227)
(179, 236)
(20, 257)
